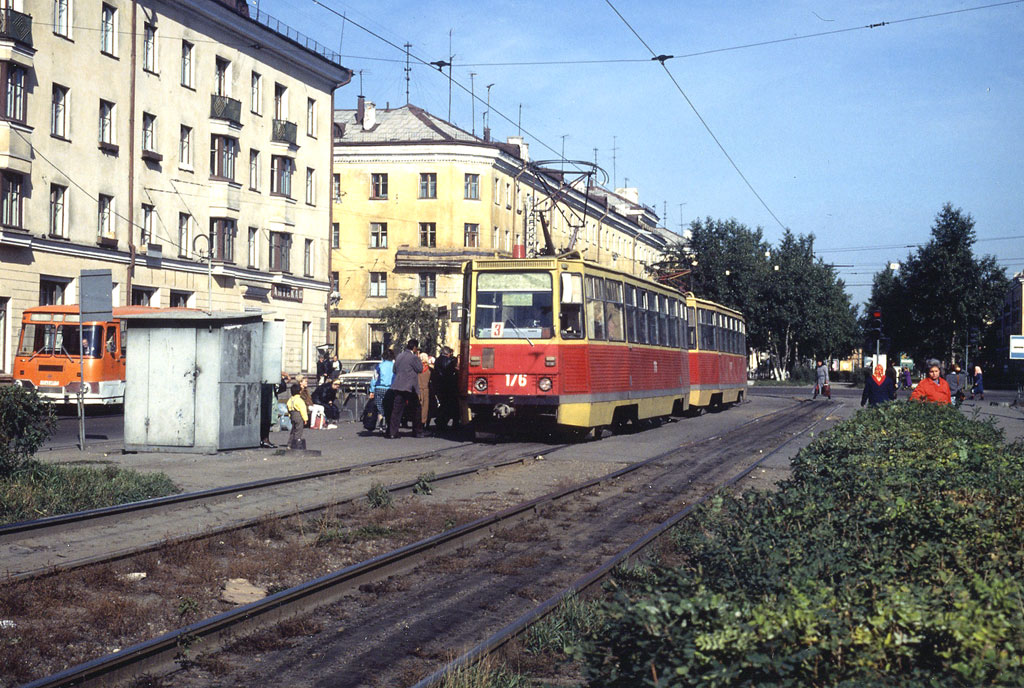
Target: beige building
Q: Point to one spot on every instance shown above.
(183, 144)
(415, 197)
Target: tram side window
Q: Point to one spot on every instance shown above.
(595, 307)
(705, 329)
(641, 316)
(613, 311)
(673, 324)
(663, 320)
(631, 313)
(652, 319)
(691, 328)
(571, 311)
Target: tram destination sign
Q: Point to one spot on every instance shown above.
(1017, 347)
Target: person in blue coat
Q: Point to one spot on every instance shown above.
(878, 388)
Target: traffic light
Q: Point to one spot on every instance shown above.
(874, 326)
(972, 336)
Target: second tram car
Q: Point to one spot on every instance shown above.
(565, 342)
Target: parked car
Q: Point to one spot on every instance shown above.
(359, 378)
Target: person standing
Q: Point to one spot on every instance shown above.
(821, 385)
(956, 381)
(446, 385)
(932, 388)
(406, 387)
(424, 380)
(383, 373)
(907, 383)
(878, 388)
(979, 387)
(299, 415)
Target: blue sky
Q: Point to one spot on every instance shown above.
(859, 136)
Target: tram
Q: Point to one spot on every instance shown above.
(58, 355)
(564, 342)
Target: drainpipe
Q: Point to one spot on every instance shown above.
(131, 159)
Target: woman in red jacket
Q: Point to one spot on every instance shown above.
(932, 388)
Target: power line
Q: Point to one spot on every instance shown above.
(662, 59)
(890, 247)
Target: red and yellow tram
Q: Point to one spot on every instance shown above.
(566, 342)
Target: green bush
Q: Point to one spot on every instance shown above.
(25, 423)
(894, 555)
(40, 489)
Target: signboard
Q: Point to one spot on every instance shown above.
(1017, 347)
(94, 295)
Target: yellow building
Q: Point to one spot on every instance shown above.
(415, 197)
(148, 136)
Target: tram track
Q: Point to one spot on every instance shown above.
(612, 497)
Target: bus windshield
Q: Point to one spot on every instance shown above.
(513, 305)
(62, 340)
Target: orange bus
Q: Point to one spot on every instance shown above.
(56, 358)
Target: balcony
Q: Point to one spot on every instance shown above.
(285, 131)
(222, 107)
(16, 26)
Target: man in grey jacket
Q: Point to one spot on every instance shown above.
(406, 387)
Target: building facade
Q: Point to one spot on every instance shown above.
(1010, 323)
(415, 197)
(182, 144)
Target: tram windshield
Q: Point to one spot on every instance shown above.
(39, 338)
(513, 305)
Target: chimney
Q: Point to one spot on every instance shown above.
(360, 105)
(524, 148)
(369, 116)
(487, 133)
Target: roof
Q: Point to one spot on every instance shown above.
(408, 124)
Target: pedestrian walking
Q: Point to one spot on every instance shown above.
(957, 381)
(446, 385)
(878, 388)
(406, 388)
(907, 382)
(979, 387)
(383, 373)
(298, 414)
(933, 388)
(821, 383)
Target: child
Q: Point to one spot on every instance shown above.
(298, 414)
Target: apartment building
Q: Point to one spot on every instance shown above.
(415, 197)
(182, 144)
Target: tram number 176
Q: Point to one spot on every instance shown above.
(513, 380)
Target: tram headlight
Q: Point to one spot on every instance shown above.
(544, 384)
(480, 384)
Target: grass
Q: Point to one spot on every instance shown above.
(42, 489)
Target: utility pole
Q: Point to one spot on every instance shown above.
(408, 69)
(564, 137)
(614, 151)
(487, 115)
(472, 100)
(451, 58)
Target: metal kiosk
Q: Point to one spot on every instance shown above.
(193, 380)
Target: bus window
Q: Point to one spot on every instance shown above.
(111, 340)
(60, 340)
(570, 323)
(514, 305)
(613, 311)
(595, 307)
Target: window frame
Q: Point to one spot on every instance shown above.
(255, 178)
(150, 51)
(149, 132)
(428, 285)
(188, 70)
(59, 112)
(311, 118)
(62, 18)
(282, 168)
(378, 235)
(58, 217)
(279, 259)
(378, 282)
(107, 123)
(15, 96)
(223, 157)
(471, 235)
(253, 247)
(428, 185)
(108, 30)
(185, 147)
(223, 231)
(184, 234)
(378, 186)
(428, 234)
(105, 225)
(307, 258)
(256, 94)
(146, 226)
(310, 186)
(471, 187)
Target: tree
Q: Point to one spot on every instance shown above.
(941, 291)
(26, 421)
(412, 317)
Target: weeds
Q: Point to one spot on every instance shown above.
(422, 486)
(487, 673)
(379, 497)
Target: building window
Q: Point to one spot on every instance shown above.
(59, 112)
(108, 30)
(428, 285)
(307, 258)
(280, 102)
(143, 296)
(281, 170)
(428, 234)
(179, 299)
(473, 187)
(222, 76)
(495, 238)
(61, 14)
(107, 122)
(58, 211)
(223, 152)
(105, 217)
(428, 185)
(149, 55)
(186, 64)
(184, 234)
(256, 94)
(379, 184)
(335, 235)
(51, 291)
(379, 284)
(254, 247)
(508, 240)
(280, 251)
(222, 239)
(497, 191)
(508, 194)
(11, 212)
(148, 132)
(13, 83)
(311, 117)
(472, 235)
(378, 235)
(146, 235)
(336, 188)
(310, 186)
(185, 147)
(254, 169)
